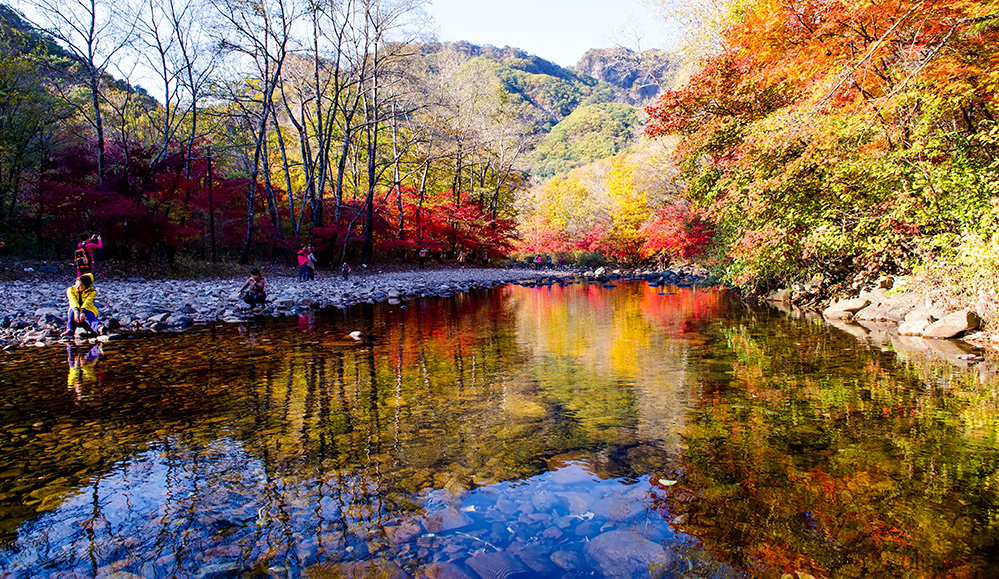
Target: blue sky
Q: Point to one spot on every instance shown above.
(557, 30)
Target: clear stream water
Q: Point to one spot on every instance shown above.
(574, 431)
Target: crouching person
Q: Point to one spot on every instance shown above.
(82, 313)
(253, 292)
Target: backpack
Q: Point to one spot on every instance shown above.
(81, 258)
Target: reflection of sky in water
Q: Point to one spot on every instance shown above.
(174, 511)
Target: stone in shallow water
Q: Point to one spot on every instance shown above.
(626, 554)
(567, 560)
(373, 569)
(498, 566)
(444, 571)
(549, 502)
(402, 532)
(446, 519)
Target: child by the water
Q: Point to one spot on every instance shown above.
(345, 271)
(82, 312)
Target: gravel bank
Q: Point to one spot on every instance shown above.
(36, 312)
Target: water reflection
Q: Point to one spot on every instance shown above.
(82, 360)
(552, 431)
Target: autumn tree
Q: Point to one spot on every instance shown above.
(95, 33)
(844, 135)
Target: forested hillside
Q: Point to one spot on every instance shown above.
(278, 125)
(841, 140)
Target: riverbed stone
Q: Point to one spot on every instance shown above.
(42, 312)
(953, 325)
(181, 321)
(158, 318)
(624, 553)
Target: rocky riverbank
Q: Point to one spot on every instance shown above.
(36, 306)
(906, 306)
(914, 319)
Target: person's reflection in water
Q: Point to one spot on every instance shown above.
(305, 322)
(82, 368)
(249, 335)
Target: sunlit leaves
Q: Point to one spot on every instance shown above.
(823, 117)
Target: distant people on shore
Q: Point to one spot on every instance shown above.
(423, 257)
(82, 312)
(345, 271)
(550, 261)
(537, 262)
(83, 257)
(253, 291)
(310, 264)
(303, 263)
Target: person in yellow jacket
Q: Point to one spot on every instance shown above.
(82, 312)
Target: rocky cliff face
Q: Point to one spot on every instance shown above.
(637, 76)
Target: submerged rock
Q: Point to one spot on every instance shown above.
(626, 554)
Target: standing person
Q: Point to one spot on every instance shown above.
(537, 262)
(549, 261)
(82, 313)
(345, 271)
(253, 292)
(83, 257)
(303, 263)
(423, 257)
(310, 263)
(561, 262)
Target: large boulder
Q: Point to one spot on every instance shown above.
(845, 308)
(913, 328)
(922, 315)
(953, 325)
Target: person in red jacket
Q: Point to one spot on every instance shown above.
(83, 258)
(303, 263)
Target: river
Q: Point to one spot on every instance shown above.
(556, 431)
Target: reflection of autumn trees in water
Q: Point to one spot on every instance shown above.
(442, 394)
(801, 458)
(782, 445)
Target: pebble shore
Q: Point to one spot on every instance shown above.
(36, 308)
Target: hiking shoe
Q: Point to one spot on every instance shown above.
(66, 334)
